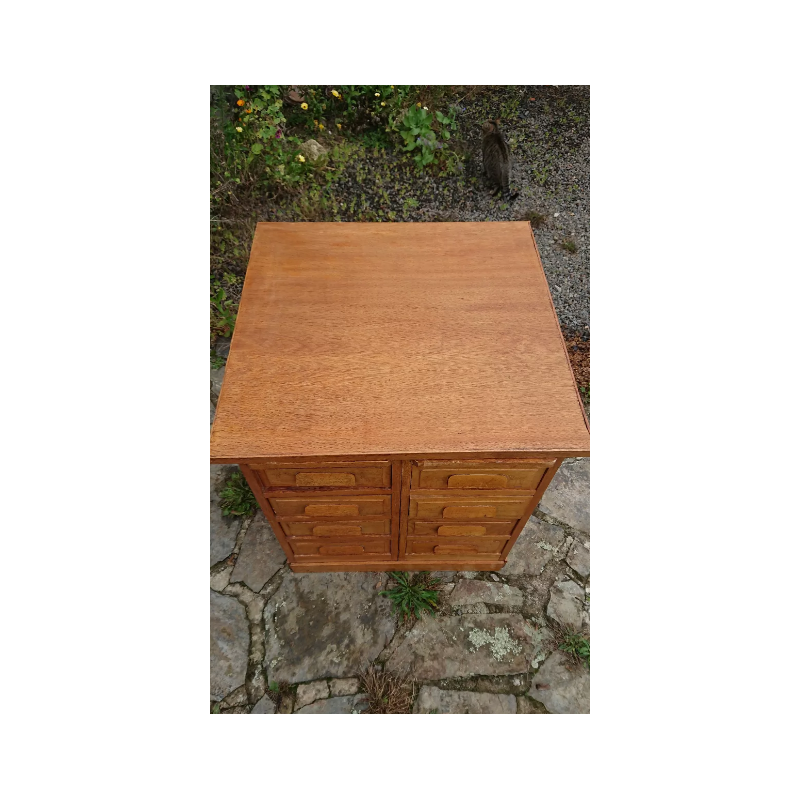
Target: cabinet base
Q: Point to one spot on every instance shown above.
(399, 566)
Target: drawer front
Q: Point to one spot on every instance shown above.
(456, 508)
(340, 549)
(454, 547)
(478, 474)
(371, 474)
(445, 528)
(380, 527)
(376, 505)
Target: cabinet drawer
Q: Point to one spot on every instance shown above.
(380, 527)
(454, 547)
(341, 549)
(468, 507)
(376, 505)
(478, 474)
(371, 474)
(456, 528)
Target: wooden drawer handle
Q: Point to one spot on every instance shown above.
(452, 550)
(336, 530)
(468, 512)
(342, 550)
(461, 530)
(477, 482)
(331, 511)
(325, 479)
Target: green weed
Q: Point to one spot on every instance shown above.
(236, 498)
(413, 596)
(536, 219)
(576, 646)
(223, 313)
(217, 361)
(418, 129)
(569, 245)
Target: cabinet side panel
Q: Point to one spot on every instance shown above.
(258, 491)
(545, 482)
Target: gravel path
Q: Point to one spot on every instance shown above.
(547, 128)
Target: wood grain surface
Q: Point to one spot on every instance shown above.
(393, 339)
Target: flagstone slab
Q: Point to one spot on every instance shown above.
(567, 496)
(230, 640)
(561, 686)
(432, 700)
(534, 549)
(261, 555)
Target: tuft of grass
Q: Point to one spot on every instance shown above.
(386, 692)
(535, 218)
(215, 708)
(572, 642)
(235, 498)
(277, 691)
(413, 595)
(569, 245)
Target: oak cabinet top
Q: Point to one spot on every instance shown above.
(373, 339)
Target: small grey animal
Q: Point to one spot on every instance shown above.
(497, 159)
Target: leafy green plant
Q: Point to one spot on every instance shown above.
(236, 498)
(249, 141)
(412, 596)
(368, 111)
(576, 646)
(418, 128)
(223, 313)
(585, 393)
(215, 708)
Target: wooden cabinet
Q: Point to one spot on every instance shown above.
(398, 395)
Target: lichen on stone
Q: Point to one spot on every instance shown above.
(501, 644)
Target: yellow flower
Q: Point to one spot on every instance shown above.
(335, 93)
(382, 103)
(377, 94)
(339, 125)
(239, 129)
(304, 106)
(391, 87)
(419, 105)
(300, 158)
(321, 127)
(240, 102)
(249, 110)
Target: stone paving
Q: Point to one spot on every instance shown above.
(491, 649)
